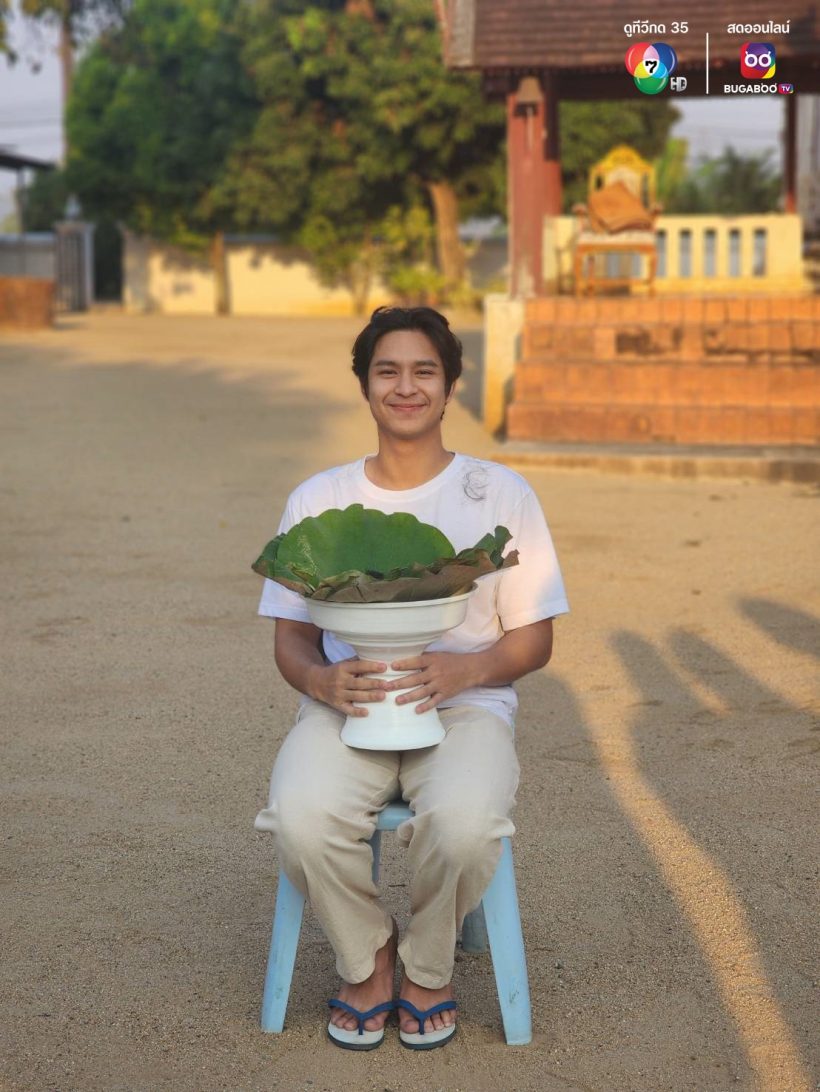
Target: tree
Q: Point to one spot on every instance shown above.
(590, 129)
(359, 118)
(75, 20)
(670, 170)
(156, 108)
(731, 184)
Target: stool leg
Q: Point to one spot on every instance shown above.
(287, 922)
(474, 931)
(503, 919)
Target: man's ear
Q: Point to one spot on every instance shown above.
(452, 392)
(364, 392)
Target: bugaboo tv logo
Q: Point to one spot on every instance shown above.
(757, 61)
(651, 64)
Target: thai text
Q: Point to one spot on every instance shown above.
(759, 28)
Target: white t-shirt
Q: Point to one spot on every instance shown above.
(468, 499)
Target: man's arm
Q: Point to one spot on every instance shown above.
(441, 675)
(516, 654)
(297, 649)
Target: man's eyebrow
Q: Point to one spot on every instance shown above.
(417, 363)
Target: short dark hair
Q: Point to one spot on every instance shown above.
(424, 319)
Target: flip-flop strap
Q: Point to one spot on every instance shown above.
(422, 1015)
(385, 1006)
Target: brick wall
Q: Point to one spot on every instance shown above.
(730, 371)
(26, 301)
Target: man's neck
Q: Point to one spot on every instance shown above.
(405, 466)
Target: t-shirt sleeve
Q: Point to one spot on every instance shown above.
(278, 601)
(534, 588)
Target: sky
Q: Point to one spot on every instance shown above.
(30, 110)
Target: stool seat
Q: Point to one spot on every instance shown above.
(496, 923)
(391, 817)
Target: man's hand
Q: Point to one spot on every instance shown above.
(435, 676)
(342, 683)
(440, 675)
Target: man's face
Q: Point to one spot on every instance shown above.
(406, 384)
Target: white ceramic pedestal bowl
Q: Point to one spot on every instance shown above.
(387, 632)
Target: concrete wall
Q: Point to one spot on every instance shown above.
(264, 278)
(503, 327)
(710, 370)
(29, 255)
(783, 247)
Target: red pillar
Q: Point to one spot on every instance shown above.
(533, 180)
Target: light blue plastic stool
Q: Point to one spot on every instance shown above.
(495, 922)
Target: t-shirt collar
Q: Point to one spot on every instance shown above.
(377, 492)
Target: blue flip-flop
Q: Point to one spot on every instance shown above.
(360, 1039)
(421, 1039)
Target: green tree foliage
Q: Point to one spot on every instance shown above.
(156, 108)
(44, 200)
(731, 184)
(359, 119)
(590, 129)
(77, 19)
(670, 170)
(333, 124)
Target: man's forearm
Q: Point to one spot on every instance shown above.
(514, 655)
(297, 659)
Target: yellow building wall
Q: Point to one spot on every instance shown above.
(784, 258)
(263, 279)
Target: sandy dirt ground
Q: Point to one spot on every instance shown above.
(666, 851)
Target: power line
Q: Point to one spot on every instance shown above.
(13, 127)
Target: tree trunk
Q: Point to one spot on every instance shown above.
(360, 279)
(220, 268)
(66, 52)
(449, 251)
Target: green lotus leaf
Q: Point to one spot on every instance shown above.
(354, 538)
(359, 555)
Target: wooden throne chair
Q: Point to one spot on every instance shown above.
(618, 218)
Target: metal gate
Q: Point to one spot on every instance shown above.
(74, 252)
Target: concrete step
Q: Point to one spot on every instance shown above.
(772, 338)
(649, 422)
(745, 462)
(698, 383)
(671, 310)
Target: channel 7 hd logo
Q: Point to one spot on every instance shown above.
(651, 65)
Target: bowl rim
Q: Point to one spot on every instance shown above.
(401, 603)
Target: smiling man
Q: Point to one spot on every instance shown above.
(324, 796)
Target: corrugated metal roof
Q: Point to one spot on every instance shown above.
(13, 162)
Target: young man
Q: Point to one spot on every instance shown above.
(325, 796)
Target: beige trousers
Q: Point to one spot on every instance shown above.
(322, 808)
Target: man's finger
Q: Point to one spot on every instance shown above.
(367, 695)
(431, 703)
(352, 710)
(408, 665)
(362, 682)
(414, 695)
(363, 667)
(416, 679)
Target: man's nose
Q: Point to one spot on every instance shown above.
(407, 383)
